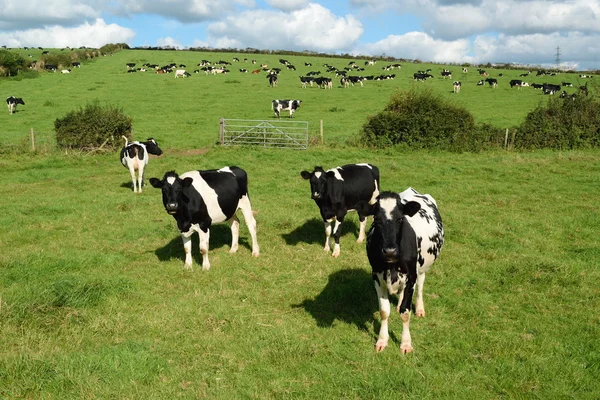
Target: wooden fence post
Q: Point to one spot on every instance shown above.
(32, 139)
(506, 140)
(321, 131)
(222, 130)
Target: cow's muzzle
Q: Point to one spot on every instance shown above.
(171, 208)
(390, 254)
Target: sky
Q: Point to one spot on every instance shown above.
(528, 32)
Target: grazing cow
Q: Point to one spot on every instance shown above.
(465, 70)
(493, 82)
(283, 105)
(272, 77)
(480, 83)
(256, 71)
(549, 88)
(66, 71)
(134, 157)
(516, 82)
(130, 65)
(198, 199)
(419, 76)
(457, 86)
(180, 73)
(340, 190)
(244, 70)
(446, 74)
(12, 102)
(306, 80)
(406, 237)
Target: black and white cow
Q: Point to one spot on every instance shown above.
(338, 191)
(406, 237)
(134, 157)
(198, 199)
(12, 102)
(283, 105)
(272, 77)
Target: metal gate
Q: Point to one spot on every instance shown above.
(278, 134)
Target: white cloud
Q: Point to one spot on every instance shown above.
(313, 27)
(419, 45)
(182, 10)
(168, 42)
(287, 5)
(96, 34)
(29, 14)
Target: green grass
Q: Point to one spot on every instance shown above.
(95, 302)
(185, 113)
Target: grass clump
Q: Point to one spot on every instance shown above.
(92, 128)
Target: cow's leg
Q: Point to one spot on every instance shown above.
(328, 234)
(234, 223)
(337, 233)
(204, 238)
(363, 225)
(187, 247)
(420, 309)
(246, 208)
(384, 311)
(405, 305)
(140, 176)
(132, 173)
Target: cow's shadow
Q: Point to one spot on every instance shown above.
(348, 296)
(220, 236)
(313, 231)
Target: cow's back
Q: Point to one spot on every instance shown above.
(359, 182)
(428, 227)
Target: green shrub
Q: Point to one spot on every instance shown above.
(92, 127)
(419, 119)
(563, 123)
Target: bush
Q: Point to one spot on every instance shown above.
(92, 127)
(419, 119)
(563, 123)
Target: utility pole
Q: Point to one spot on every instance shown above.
(557, 57)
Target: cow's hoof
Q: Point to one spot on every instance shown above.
(335, 254)
(255, 253)
(406, 348)
(381, 345)
(420, 313)
(187, 267)
(206, 267)
(233, 249)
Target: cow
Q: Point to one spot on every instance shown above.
(282, 105)
(516, 82)
(256, 71)
(76, 64)
(338, 191)
(180, 72)
(446, 74)
(457, 85)
(272, 77)
(65, 71)
(12, 102)
(405, 239)
(493, 82)
(419, 76)
(198, 199)
(306, 80)
(134, 157)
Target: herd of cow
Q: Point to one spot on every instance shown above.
(404, 240)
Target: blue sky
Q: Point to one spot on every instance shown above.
(452, 31)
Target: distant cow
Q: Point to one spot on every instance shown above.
(272, 77)
(493, 82)
(12, 102)
(338, 191)
(66, 71)
(198, 199)
(457, 86)
(134, 157)
(284, 105)
(405, 239)
(180, 73)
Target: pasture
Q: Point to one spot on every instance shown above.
(94, 301)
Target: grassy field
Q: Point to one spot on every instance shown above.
(95, 304)
(185, 112)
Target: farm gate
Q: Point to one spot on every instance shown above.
(278, 134)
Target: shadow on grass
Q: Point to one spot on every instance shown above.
(220, 236)
(313, 231)
(350, 297)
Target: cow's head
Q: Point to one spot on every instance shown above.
(389, 222)
(152, 147)
(172, 190)
(318, 182)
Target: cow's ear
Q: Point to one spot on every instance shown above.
(187, 182)
(364, 208)
(305, 174)
(157, 183)
(411, 208)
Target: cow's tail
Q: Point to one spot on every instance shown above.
(126, 140)
(242, 179)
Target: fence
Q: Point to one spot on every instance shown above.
(271, 134)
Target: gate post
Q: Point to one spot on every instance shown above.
(222, 130)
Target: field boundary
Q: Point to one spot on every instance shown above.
(262, 133)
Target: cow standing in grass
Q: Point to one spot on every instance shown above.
(338, 191)
(134, 157)
(406, 237)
